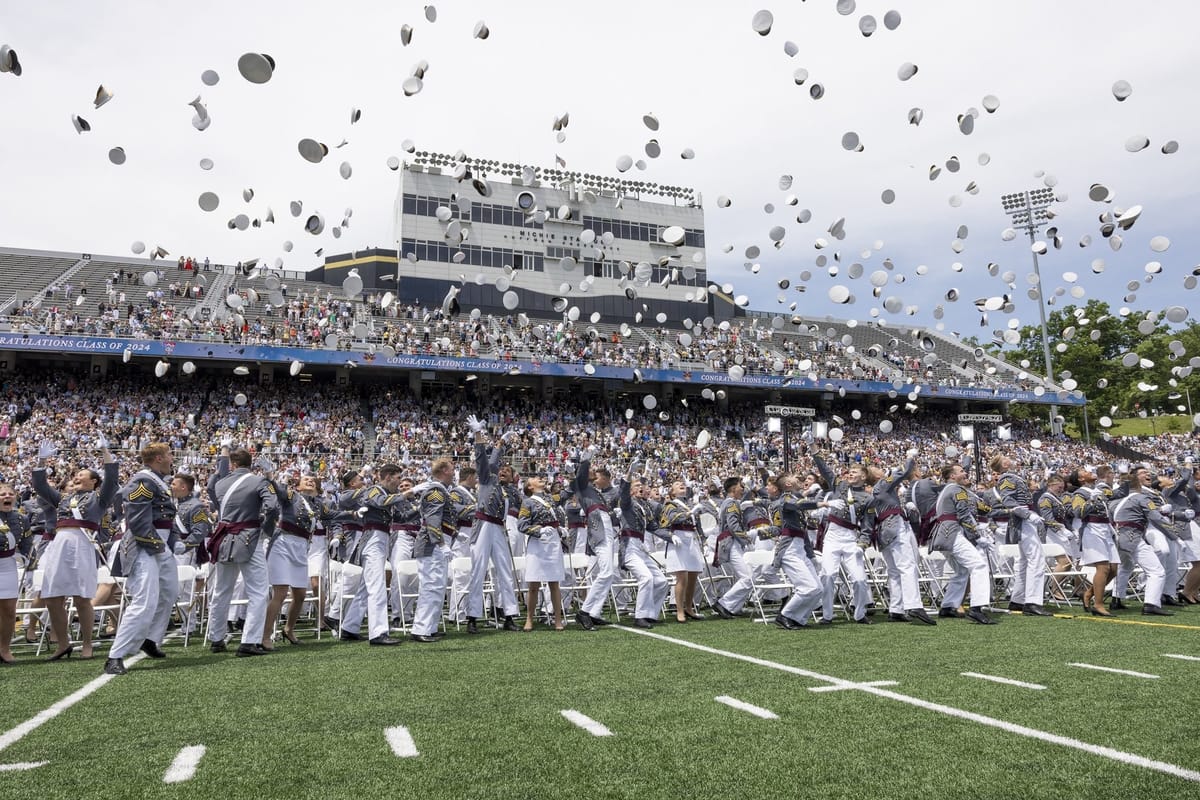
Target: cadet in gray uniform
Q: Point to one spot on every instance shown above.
(954, 530)
(246, 507)
(634, 556)
(794, 555)
(14, 539)
(590, 488)
(843, 545)
(437, 518)
(193, 526)
(151, 579)
(377, 501)
(732, 542)
(489, 540)
(1026, 530)
(1131, 516)
(895, 542)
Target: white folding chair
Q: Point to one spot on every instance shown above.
(460, 567)
(1064, 583)
(186, 574)
(758, 561)
(407, 571)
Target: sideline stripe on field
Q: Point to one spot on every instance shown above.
(401, 742)
(24, 765)
(1129, 672)
(850, 686)
(185, 763)
(28, 726)
(1181, 657)
(587, 723)
(1005, 681)
(757, 711)
(1053, 738)
(1111, 621)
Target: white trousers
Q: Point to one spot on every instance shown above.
(736, 595)
(1152, 569)
(904, 588)
(966, 565)
(807, 591)
(491, 546)
(1029, 573)
(432, 594)
(254, 578)
(602, 579)
(371, 595)
(151, 587)
(1168, 553)
(842, 552)
(651, 583)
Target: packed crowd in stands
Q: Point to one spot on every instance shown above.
(306, 318)
(323, 429)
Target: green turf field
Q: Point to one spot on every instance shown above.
(484, 714)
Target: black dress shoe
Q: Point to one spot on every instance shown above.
(642, 622)
(1117, 604)
(1016, 606)
(823, 621)
(384, 641)
(922, 616)
(151, 649)
(417, 637)
(585, 621)
(863, 621)
(509, 625)
(950, 613)
(600, 621)
(438, 634)
(722, 611)
(247, 650)
(787, 623)
(1034, 610)
(898, 617)
(1155, 611)
(1168, 600)
(331, 624)
(217, 647)
(348, 636)
(471, 627)
(115, 666)
(978, 615)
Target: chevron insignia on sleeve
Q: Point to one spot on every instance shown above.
(141, 492)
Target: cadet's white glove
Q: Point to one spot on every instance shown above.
(264, 464)
(101, 441)
(1189, 515)
(475, 425)
(1166, 508)
(675, 540)
(547, 533)
(912, 452)
(47, 449)
(910, 506)
(226, 441)
(180, 548)
(510, 436)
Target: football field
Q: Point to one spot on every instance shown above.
(1032, 707)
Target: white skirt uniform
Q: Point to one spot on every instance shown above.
(8, 578)
(1098, 544)
(318, 555)
(287, 561)
(685, 556)
(1189, 549)
(69, 564)
(543, 558)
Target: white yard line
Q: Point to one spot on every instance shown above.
(1128, 672)
(401, 742)
(1180, 657)
(24, 765)
(1005, 681)
(819, 689)
(1119, 756)
(185, 763)
(587, 723)
(757, 711)
(28, 726)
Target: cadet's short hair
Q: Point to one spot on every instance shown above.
(730, 483)
(948, 470)
(442, 464)
(240, 457)
(386, 470)
(465, 473)
(153, 451)
(996, 464)
(188, 480)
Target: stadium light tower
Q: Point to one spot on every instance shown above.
(1029, 212)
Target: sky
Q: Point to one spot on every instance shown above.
(715, 85)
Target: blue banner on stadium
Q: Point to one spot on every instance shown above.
(191, 350)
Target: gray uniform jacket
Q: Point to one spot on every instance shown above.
(593, 502)
(149, 517)
(955, 511)
(886, 512)
(1131, 515)
(437, 518)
